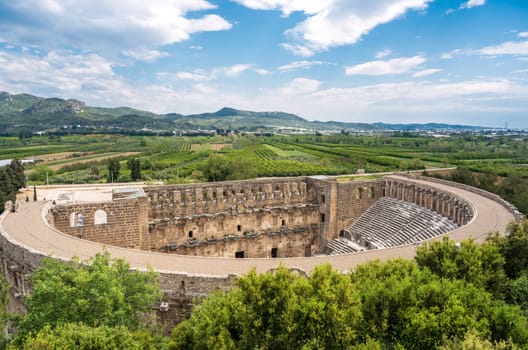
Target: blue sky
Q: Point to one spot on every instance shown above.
(399, 61)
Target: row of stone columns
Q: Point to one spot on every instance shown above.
(451, 207)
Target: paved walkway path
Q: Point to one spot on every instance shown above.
(28, 228)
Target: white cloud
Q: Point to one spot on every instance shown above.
(426, 72)
(145, 54)
(302, 86)
(287, 6)
(450, 55)
(111, 27)
(523, 34)
(299, 65)
(57, 73)
(298, 49)
(383, 54)
(332, 23)
(235, 70)
(472, 3)
(197, 75)
(91, 78)
(393, 66)
(261, 71)
(519, 48)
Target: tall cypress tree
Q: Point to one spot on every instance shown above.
(7, 190)
(18, 173)
(113, 170)
(135, 168)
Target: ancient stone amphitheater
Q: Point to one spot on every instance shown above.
(199, 237)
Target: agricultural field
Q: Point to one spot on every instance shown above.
(492, 161)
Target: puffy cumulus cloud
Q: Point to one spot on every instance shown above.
(472, 3)
(394, 66)
(332, 23)
(113, 26)
(426, 72)
(91, 78)
(299, 65)
(58, 73)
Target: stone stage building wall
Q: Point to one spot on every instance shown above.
(278, 217)
(121, 222)
(274, 217)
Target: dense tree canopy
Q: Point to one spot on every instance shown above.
(453, 296)
(219, 168)
(82, 337)
(279, 310)
(98, 292)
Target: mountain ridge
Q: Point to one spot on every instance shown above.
(29, 112)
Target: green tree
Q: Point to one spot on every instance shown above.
(514, 248)
(403, 304)
(96, 292)
(19, 179)
(4, 313)
(113, 170)
(7, 191)
(220, 168)
(276, 310)
(82, 337)
(135, 169)
(481, 265)
(217, 168)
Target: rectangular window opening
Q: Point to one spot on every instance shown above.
(239, 254)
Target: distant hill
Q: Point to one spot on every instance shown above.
(28, 112)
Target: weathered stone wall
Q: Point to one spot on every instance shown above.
(456, 209)
(17, 263)
(253, 218)
(494, 197)
(121, 222)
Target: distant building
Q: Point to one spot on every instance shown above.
(4, 162)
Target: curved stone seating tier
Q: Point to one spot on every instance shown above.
(389, 223)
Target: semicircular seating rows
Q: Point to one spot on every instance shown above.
(389, 223)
